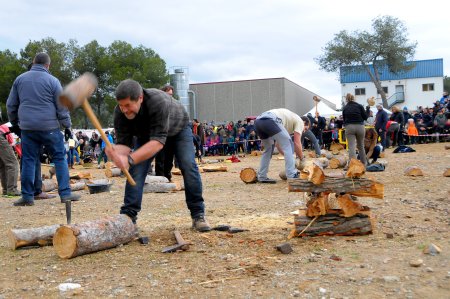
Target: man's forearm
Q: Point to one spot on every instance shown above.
(147, 151)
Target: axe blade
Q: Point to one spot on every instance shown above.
(68, 211)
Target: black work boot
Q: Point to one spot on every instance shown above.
(24, 202)
(71, 197)
(200, 224)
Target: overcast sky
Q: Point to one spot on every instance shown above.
(229, 39)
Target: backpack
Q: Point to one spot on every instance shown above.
(403, 149)
(375, 167)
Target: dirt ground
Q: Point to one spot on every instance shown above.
(247, 265)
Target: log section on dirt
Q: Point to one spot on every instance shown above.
(333, 224)
(153, 179)
(214, 168)
(413, 171)
(355, 169)
(41, 236)
(49, 185)
(78, 239)
(113, 172)
(357, 187)
(248, 175)
(338, 162)
(447, 147)
(336, 147)
(81, 175)
(160, 187)
(447, 172)
(78, 186)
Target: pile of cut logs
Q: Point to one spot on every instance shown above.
(319, 218)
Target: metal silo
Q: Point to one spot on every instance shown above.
(179, 79)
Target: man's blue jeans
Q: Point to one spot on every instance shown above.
(182, 146)
(32, 141)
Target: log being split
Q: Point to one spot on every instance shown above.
(74, 240)
(41, 236)
(333, 224)
(248, 175)
(357, 187)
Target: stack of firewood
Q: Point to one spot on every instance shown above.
(319, 218)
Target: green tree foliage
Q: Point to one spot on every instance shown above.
(10, 68)
(387, 45)
(110, 64)
(447, 83)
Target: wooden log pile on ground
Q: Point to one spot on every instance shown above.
(319, 218)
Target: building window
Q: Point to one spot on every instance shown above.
(385, 89)
(360, 91)
(428, 87)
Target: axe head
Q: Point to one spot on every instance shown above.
(78, 91)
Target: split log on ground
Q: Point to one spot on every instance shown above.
(323, 162)
(81, 175)
(41, 236)
(153, 179)
(315, 174)
(159, 187)
(338, 161)
(326, 154)
(334, 224)
(176, 171)
(78, 186)
(74, 240)
(355, 169)
(348, 206)
(447, 172)
(447, 147)
(113, 172)
(413, 171)
(248, 175)
(317, 205)
(49, 185)
(357, 187)
(215, 168)
(336, 147)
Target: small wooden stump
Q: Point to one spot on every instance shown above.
(336, 147)
(447, 172)
(74, 240)
(49, 185)
(113, 172)
(355, 169)
(248, 175)
(333, 224)
(338, 161)
(42, 236)
(413, 171)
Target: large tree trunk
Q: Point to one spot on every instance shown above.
(333, 224)
(78, 239)
(357, 187)
(41, 236)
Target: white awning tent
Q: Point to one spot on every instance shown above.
(324, 110)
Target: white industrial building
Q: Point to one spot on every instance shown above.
(421, 86)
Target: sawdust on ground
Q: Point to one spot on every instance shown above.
(246, 265)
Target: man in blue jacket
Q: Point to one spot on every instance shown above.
(35, 113)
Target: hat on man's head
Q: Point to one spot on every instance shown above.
(379, 106)
(405, 108)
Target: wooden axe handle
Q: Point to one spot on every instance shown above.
(90, 114)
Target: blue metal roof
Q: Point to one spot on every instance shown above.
(422, 69)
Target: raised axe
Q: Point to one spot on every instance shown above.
(316, 100)
(181, 244)
(75, 94)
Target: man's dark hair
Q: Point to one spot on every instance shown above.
(166, 88)
(128, 88)
(305, 120)
(41, 58)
